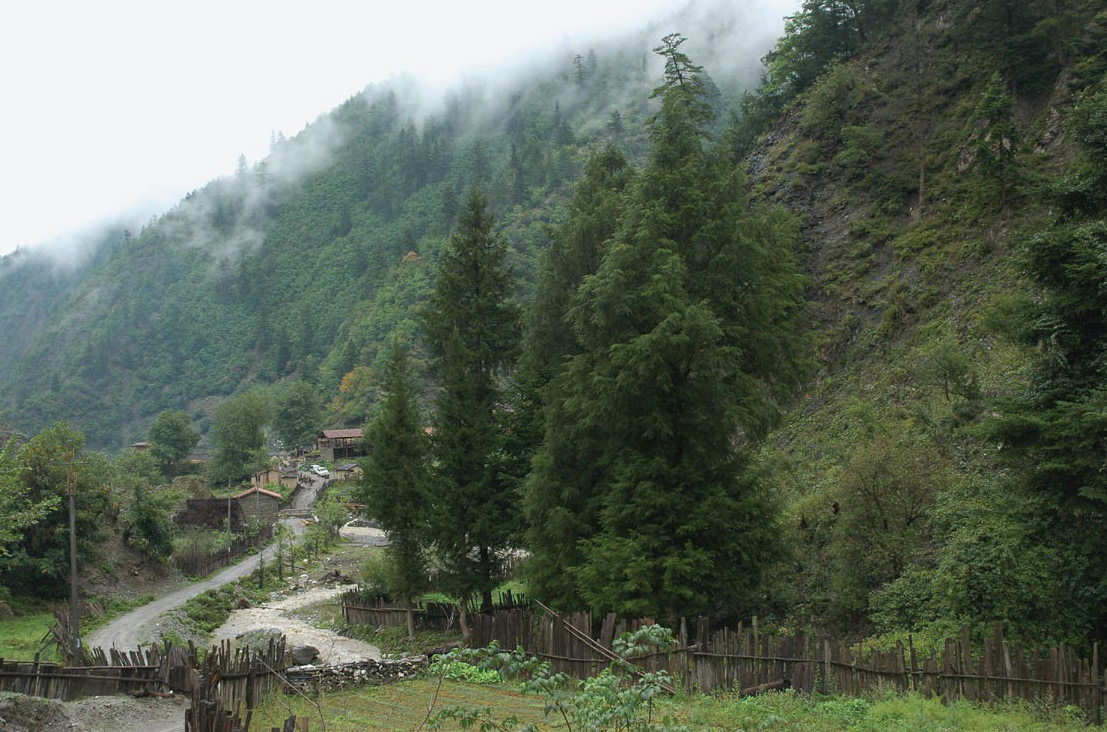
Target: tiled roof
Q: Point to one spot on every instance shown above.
(342, 434)
(262, 491)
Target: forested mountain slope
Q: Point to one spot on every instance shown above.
(943, 158)
(926, 147)
(305, 263)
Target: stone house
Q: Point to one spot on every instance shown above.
(258, 503)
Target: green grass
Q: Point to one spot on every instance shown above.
(403, 706)
(889, 713)
(21, 637)
(394, 641)
(208, 610)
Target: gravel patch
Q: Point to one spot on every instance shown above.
(96, 714)
(298, 631)
(365, 535)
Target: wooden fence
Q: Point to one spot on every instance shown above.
(428, 616)
(228, 555)
(745, 659)
(357, 609)
(227, 675)
(118, 674)
(225, 680)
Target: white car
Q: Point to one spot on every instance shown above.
(320, 471)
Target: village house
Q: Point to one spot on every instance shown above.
(339, 445)
(265, 476)
(289, 477)
(347, 471)
(285, 477)
(259, 504)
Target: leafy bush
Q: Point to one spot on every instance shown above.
(193, 548)
(608, 701)
(460, 671)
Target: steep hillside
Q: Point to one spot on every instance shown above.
(918, 186)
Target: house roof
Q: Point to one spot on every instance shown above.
(347, 466)
(354, 433)
(262, 491)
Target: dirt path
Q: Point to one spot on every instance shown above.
(140, 626)
(306, 497)
(333, 648)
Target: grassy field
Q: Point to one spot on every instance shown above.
(21, 636)
(403, 706)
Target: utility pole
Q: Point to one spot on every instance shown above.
(74, 606)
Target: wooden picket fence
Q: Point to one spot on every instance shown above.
(746, 659)
(357, 609)
(113, 673)
(382, 614)
(221, 681)
(226, 680)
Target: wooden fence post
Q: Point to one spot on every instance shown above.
(1096, 681)
(826, 666)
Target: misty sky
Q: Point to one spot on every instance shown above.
(123, 105)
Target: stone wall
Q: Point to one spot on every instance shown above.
(358, 673)
(210, 513)
(259, 506)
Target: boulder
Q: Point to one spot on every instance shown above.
(303, 655)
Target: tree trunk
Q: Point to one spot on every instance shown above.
(410, 619)
(463, 618)
(486, 567)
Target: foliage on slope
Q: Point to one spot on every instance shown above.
(917, 151)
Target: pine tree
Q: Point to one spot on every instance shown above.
(685, 335)
(472, 333)
(1056, 429)
(395, 483)
(996, 138)
(554, 492)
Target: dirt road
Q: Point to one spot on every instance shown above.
(140, 626)
(306, 497)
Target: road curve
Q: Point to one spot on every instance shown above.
(139, 627)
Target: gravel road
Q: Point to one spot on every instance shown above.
(140, 626)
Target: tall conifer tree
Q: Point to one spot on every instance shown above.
(1056, 429)
(395, 484)
(687, 333)
(472, 332)
(556, 493)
